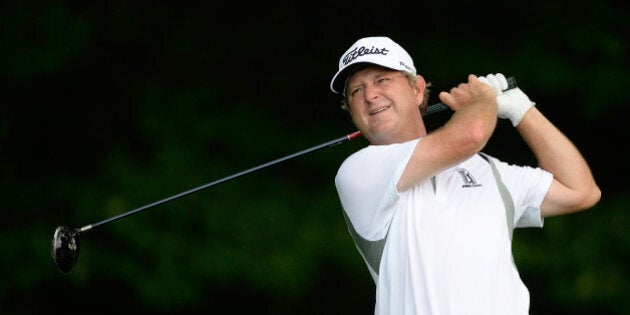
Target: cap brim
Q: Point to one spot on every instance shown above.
(338, 84)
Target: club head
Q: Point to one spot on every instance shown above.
(65, 248)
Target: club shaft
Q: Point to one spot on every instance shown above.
(330, 143)
(432, 109)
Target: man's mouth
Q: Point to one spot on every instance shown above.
(374, 112)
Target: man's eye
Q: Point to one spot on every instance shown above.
(384, 79)
(356, 90)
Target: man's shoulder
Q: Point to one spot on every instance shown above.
(381, 153)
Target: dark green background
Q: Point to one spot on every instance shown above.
(110, 105)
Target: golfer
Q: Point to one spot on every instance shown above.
(430, 214)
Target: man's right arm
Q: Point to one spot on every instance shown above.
(465, 134)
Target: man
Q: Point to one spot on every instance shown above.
(432, 216)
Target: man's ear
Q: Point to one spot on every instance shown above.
(419, 87)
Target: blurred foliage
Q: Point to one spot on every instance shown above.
(108, 106)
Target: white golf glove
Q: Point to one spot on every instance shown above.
(513, 103)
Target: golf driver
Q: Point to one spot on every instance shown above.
(65, 241)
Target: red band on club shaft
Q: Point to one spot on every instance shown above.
(354, 135)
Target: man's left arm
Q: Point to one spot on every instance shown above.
(573, 187)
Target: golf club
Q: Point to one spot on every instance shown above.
(65, 241)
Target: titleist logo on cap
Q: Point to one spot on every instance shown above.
(362, 51)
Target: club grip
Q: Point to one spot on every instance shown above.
(511, 81)
(438, 107)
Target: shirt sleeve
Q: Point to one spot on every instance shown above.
(366, 184)
(528, 187)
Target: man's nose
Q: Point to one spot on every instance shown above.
(371, 92)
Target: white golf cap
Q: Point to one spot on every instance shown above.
(377, 50)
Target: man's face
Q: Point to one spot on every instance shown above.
(384, 106)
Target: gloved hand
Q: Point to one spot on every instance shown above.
(513, 103)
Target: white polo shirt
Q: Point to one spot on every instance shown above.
(445, 242)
